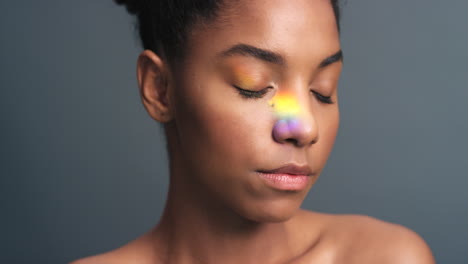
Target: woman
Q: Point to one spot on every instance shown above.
(247, 93)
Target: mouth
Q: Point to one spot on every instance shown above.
(289, 177)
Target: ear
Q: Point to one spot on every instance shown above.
(153, 81)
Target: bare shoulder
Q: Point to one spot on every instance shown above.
(384, 242)
(366, 239)
(111, 257)
(105, 258)
(363, 239)
(135, 252)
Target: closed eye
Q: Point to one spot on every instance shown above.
(322, 98)
(251, 94)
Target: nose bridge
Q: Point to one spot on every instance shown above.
(295, 120)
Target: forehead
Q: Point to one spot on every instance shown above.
(290, 27)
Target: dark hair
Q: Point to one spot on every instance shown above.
(163, 25)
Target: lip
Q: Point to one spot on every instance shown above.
(290, 169)
(289, 177)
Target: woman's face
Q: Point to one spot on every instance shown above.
(230, 126)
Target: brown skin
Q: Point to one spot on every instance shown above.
(218, 210)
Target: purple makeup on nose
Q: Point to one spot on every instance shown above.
(293, 125)
(286, 128)
(281, 129)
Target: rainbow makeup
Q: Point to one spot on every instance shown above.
(288, 111)
(285, 105)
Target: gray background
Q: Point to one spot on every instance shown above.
(83, 167)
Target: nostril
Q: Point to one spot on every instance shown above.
(292, 140)
(294, 131)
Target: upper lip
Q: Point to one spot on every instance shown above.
(290, 169)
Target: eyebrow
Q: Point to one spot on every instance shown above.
(273, 57)
(332, 59)
(251, 51)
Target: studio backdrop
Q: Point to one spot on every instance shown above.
(83, 167)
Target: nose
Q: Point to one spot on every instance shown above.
(299, 130)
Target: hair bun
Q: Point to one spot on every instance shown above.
(133, 6)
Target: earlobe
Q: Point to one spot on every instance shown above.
(153, 76)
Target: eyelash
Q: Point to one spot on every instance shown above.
(259, 94)
(252, 94)
(322, 98)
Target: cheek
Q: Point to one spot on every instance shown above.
(329, 125)
(217, 130)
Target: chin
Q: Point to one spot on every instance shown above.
(272, 212)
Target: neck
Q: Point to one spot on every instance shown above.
(196, 228)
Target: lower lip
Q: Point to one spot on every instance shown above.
(285, 182)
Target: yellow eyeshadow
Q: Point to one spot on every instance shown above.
(244, 78)
(246, 81)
